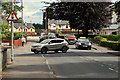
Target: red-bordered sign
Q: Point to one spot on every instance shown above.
(12, 16)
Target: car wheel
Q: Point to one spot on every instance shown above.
(89, 48)
(44, 50)
(36, 52)
(56, 51)
(64, 49)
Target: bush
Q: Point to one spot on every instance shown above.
(111, 44)
(58, 32)
(3, 36)
(104, 36)
(113, 37)
(19, 35)
(97, 39)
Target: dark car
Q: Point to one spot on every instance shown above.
(83, 43)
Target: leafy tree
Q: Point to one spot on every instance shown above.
(82, 15)
(38, 26)
(6, 8)
(117, 10)
(5, 27)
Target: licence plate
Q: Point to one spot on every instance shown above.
(84, 46)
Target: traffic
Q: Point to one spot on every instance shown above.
(50, 42)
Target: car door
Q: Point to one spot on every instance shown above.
(59, 44)
(52, 45)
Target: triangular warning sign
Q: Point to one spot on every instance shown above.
(12, 16)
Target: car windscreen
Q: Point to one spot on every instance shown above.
(45, 41)
(83, 40)
(70, 35)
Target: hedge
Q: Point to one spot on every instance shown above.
(19, 35)
(111, 44)
(111, 37)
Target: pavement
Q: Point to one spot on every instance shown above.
(107, 50)
(27, 65)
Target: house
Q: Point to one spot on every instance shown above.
(112, 29)
(118, 30)
(60, 25)
(28, 28)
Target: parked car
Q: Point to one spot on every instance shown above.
(41, 38)
(45, 36)
(50, 45)
(70, 38)
(51, 35)
(83, 43)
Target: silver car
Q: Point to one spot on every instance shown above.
(50, 45)
(83, 43)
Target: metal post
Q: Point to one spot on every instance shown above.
(12, 53)
(22, 18)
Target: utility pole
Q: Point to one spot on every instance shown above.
(22, 17)
(12, 53)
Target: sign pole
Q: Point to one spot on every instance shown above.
(22, 18)
(12, 54)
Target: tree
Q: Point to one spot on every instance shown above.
(38, 26)
(117, 10)
(82, 15)
(5, 27)
(6, 8)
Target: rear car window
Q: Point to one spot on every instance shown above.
(59, 41)
(53, 41)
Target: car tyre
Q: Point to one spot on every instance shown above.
(64, 49)
(44, 50)
(89, 48)
(36, 52)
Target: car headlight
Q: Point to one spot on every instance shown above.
(79, 43)
(89, 44)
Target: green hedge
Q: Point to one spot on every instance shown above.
(111, 44)
(111, 37)
(19, 35)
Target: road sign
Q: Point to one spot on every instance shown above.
(12, 16)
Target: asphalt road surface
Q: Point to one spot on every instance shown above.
(79, 63)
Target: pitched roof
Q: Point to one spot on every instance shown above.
(17, 25)
(113, 26)
(58, 22)
(29, 25)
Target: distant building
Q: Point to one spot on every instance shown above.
(28, 28)
(118, 30)
(113, 29)
(61, 25)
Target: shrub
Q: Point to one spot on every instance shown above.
(113, 37)
(19, 35)
(111, 44)
(3, 36)
(58, 32)
(97, 39)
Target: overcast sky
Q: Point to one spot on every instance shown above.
(32, 11)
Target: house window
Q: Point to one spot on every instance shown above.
(105, 32)
(31, 30)
(59, 26)
(19, 29)
(66, 26)
(26, 30)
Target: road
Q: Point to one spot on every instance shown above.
(76, 63)
(82, 64)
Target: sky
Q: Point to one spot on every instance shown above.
(32, 12)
